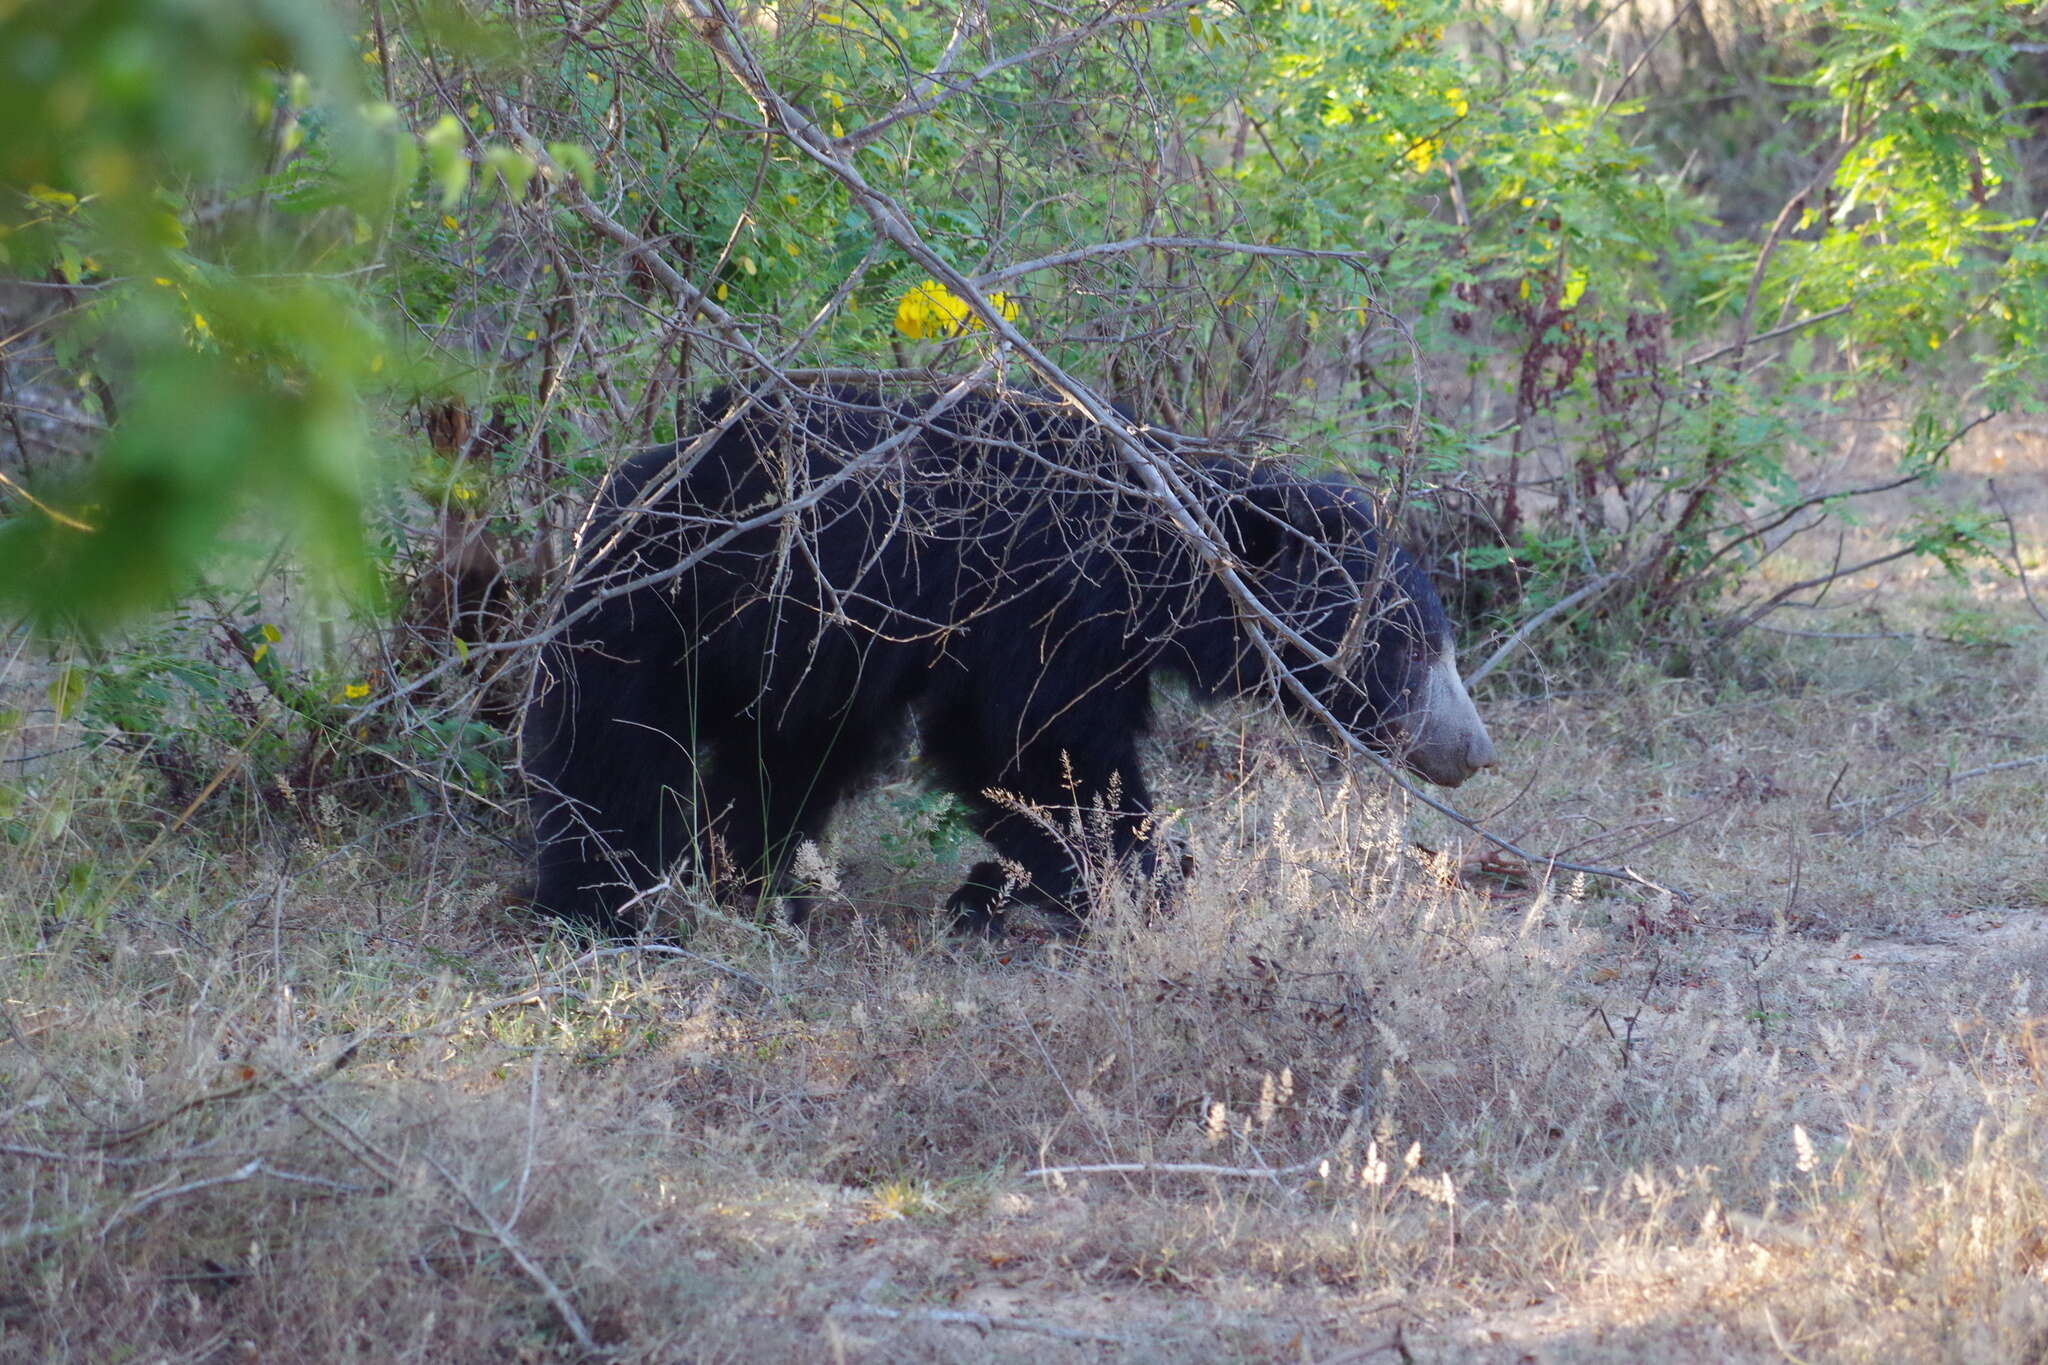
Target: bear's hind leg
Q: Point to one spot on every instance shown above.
(1065, 789)
(609, 823)
(780, 794)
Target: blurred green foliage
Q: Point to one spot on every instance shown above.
(207, 181)
(133, 127)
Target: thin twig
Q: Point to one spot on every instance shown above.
(1358, 1355)
(64, 519)
(1787, 513)
(257, 1081)
(563, 1306)
(254, 1169)
(532, 1135)
(1053, 1069)
(532, 995)
(2012, 535)
(1934, 789)
(94, 1158)
(662, 950)
(918, 101)
(1915, 638)
(1642, 57)
(991, 279)
(1797, 324)
(227, 769)
(1536, 622)
(1742, 621)
(1821, 176)
(1175, 1168)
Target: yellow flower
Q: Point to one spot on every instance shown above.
(932, 310)
(1420, 154)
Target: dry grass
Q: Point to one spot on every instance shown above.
(317, 1098)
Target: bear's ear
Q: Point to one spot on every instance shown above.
(1267, 519)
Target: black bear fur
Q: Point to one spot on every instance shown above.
(748, 632)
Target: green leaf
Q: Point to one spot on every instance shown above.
(513, 168)
(447, 166)
(573, 158)
(66, 691)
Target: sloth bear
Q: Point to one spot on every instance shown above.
(754, 617)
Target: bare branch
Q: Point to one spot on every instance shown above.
(2012, 535)
(1934, 789)
(1642, 57)
(1536, 622)
(1825, 173)
(922, 99)
(1173, 1168)
(992, 278)
(1742, 621)
(981, 1322)
(1787, 329)
(563, 1306)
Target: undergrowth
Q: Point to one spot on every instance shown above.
(321, 1096)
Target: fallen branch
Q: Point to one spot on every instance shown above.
(563, 1306)
(319, 1071)
(1396, 1343)
(1175, 1168)
(248, 1171)
(254, 1169)
(981, 1322)
(1536, 622)
(1934, 789)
